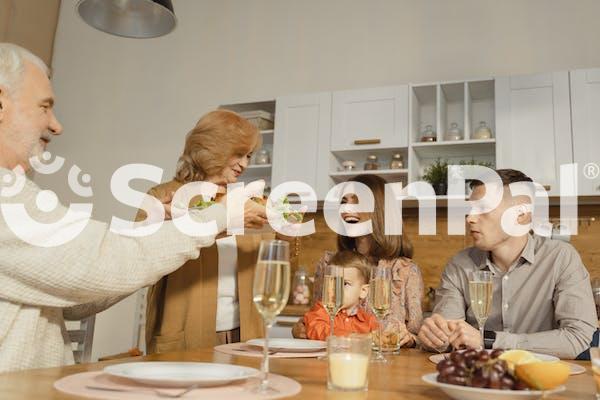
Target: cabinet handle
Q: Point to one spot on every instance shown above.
(360, 142)
(547, 188)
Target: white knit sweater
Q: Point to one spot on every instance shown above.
(38, 284)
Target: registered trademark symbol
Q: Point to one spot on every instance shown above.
(591, 170)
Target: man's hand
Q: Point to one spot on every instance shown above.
(255, 215)
(299, 330)
(464, 335)
(435, 333)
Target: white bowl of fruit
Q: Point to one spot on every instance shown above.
(498, 375)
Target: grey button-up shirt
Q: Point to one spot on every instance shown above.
(543, 303)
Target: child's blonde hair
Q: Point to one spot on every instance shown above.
(352, 259)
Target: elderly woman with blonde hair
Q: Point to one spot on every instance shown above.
(208, 300)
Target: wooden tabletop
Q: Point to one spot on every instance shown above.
(400, 378)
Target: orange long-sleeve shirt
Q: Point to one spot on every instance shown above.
(317, 325)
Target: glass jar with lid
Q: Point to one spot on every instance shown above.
(454, 133)
(371, 163)
(300, 288)
(262, 157)
(428, 134)
(397, 161)
(348, 165)
(482, 132)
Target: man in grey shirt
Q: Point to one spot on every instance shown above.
(542, 297)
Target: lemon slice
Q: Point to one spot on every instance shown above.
(518, 357)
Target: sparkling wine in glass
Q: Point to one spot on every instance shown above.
(480, 291)
(270, 293)
(333, 292)
(380, 301)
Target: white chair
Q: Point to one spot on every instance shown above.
(139, 327)
(83, 338)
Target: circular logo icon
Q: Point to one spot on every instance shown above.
(591, 170)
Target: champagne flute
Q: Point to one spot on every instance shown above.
(270, 292)
(333, 292)
(480, 292)
(380, 300)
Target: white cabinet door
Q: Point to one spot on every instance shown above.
(370, 118)
(533, 124)
(301, 140)
(585, 106)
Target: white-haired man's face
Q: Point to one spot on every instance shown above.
(27, 120)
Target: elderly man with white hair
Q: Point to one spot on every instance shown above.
(41, 284)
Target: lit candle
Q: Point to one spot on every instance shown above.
(348, 371)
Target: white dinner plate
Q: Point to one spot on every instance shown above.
(290, 345)
(181, 374)
(470, 393)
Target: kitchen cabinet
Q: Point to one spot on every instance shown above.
(585, 107)
(533, 126)
(301, 140)
(368, 119)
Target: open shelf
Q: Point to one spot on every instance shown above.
(460, 148)
(451, 106)
(359, 156)
(257, 167)
(480, 106)
(423, 110)
(254, 172)
(390, 175)
(267, 138)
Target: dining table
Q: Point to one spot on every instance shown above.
(399, 378)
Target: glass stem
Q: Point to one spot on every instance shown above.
(264, 382)
(380, 330)
(481, 329)
(331, 320)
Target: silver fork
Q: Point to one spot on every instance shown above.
(159, 393)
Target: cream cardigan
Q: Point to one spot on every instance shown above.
(38, 285)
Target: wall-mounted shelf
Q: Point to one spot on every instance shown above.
(390, 175)
(257, 167)
(255, 171)
(453, 149)
(465, 103)
(267, 137)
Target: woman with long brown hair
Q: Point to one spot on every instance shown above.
(391, 251)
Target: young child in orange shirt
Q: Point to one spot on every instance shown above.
(351, 318)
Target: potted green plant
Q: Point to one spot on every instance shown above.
(437, 175)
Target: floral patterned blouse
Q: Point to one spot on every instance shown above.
(407, 289)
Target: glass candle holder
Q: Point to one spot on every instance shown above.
(348, 358)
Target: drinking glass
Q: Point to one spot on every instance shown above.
(380, 300)
(390, 340)
(480, 291)
(270, 293)
(333, 292)
(348, 367)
